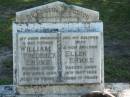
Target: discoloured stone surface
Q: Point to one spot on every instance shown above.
(7, 91)
(81, 54)
(58, 95)
(37, 53)
(63, 89)
(57, 12)
(118, 89)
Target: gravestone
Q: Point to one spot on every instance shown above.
(57, 51)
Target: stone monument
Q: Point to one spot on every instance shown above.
(58, 51)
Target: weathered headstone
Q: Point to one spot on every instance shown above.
(58, 51)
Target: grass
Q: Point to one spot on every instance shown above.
(116, 17)
(5, 81)
(5, 34)
(117, 69)
(8, 63)
(6, 72)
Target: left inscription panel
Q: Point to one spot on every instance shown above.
(36, 55)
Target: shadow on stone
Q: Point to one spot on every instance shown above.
(97, 95)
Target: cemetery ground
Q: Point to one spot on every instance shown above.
(115, 15)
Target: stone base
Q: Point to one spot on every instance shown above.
(59, 89)
(118, 89)
(51, 95)
(56, 91)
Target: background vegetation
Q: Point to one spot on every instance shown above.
(116, 17)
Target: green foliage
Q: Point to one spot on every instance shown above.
(5, 33)
(6, 72)
(117, 69)
(8, 63)
(5, 81)
(16, 3)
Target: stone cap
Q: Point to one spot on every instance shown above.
(57, 12)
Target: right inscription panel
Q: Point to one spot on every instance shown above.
(81, 57)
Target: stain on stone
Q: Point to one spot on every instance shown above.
(97, 95)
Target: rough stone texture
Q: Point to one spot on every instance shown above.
(117, 89)
(86, 70)
(56, 89)
(57, 12)
(7, 91)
